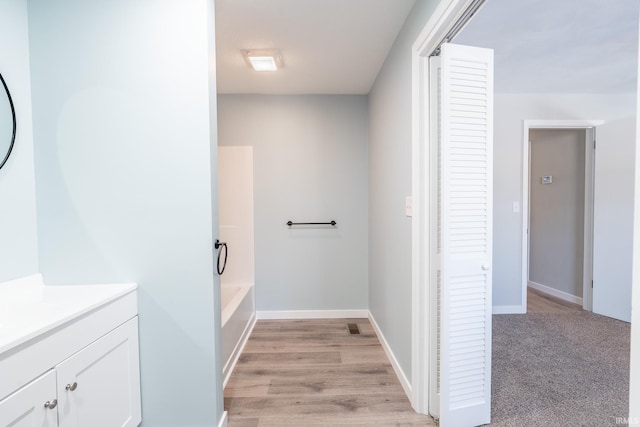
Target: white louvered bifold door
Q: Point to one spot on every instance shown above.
(466, 129)
(435, 224)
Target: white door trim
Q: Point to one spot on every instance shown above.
(634, 368)
(588, 224)
(446, 15)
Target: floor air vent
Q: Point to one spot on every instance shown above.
(353, 329)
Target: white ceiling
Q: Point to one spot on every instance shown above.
(328, 46)
(573, 46)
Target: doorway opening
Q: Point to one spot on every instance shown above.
(557, 220)
(557, 213)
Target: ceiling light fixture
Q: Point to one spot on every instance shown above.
(263, 59)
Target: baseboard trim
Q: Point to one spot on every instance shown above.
(231, 363)
(404, 382)
(508, 309)
(223, 420)
(312, 314)
(565, 296)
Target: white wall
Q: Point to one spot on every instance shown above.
(389, 183)
(18, 245)
(615, 147)
(310, 165)
(126, 183)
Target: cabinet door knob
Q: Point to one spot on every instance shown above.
(71, 387)
(51, 404)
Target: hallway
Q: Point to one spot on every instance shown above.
(314, 373)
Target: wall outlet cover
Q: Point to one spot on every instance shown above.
(516, 207)
(408, 206)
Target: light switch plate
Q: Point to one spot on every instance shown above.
(408, 206)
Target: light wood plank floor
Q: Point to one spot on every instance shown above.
(539, 302)
(313, 373)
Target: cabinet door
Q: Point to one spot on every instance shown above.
(100, 385)
(26, 407)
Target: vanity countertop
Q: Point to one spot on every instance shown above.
(29, 308)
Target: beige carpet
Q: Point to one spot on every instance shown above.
(559, 370)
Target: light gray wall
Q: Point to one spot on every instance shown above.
(18, 245)
(310, 165)
(615, 147)
(389, 184)
(126, 179)
(556, 230)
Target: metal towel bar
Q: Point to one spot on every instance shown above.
(332, 223)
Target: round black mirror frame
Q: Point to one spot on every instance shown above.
(13, 116)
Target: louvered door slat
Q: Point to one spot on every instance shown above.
(466, 192)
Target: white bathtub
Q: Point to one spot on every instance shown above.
(238, 318)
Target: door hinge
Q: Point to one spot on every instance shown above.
(594, 144)
(592, 284)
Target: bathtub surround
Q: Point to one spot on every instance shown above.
(235, 192)
(235, 195)
(124, 118)
(310, 165)
(18, 246)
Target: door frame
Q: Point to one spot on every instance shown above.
(446, 15)
(634, 359)
(587, 264)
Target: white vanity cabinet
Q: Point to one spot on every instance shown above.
(75, 360)
(26, 407)
(99, 386)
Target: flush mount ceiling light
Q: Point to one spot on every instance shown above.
(263, 59)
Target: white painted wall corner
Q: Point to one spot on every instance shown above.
(223, 420)
(404, 382)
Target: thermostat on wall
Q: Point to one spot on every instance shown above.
(547, 179)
